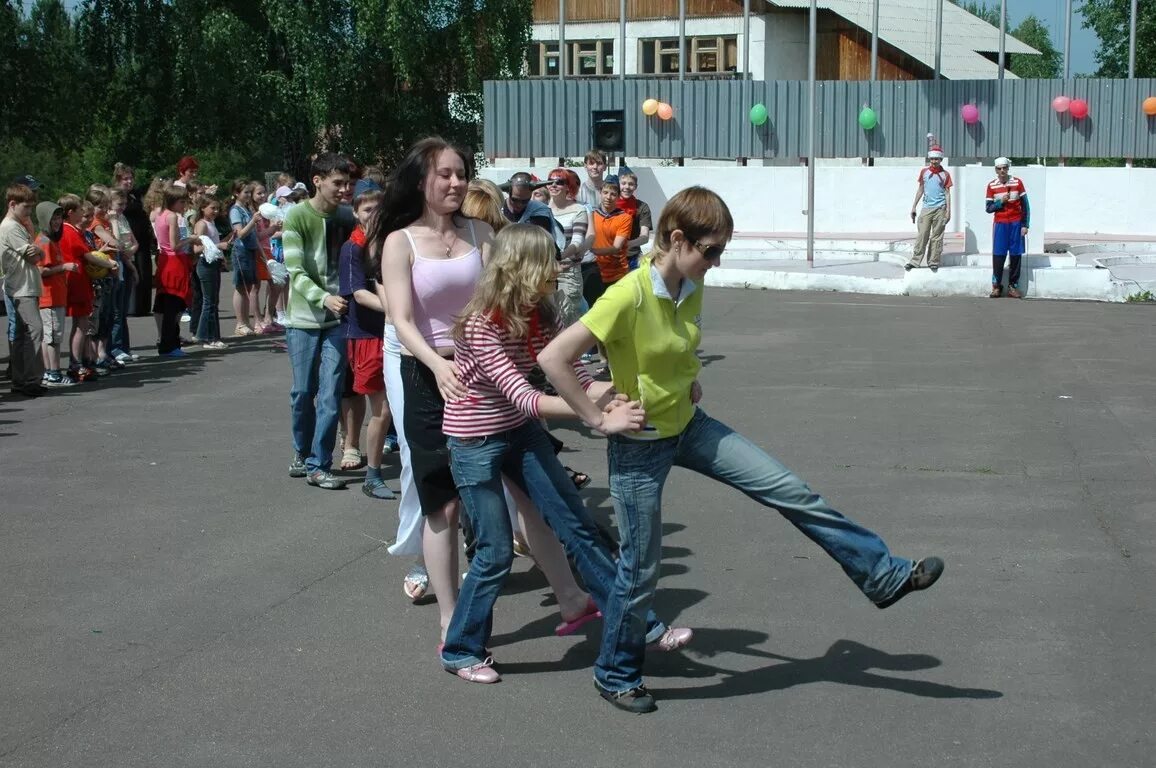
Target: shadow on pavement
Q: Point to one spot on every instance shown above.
(846, 663)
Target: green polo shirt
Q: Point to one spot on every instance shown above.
(650, 339)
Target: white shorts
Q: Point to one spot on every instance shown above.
(52, 318)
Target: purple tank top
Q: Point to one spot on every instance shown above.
(441, 290)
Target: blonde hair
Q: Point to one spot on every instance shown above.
(698, 212)
(521, 261)
(483, 201)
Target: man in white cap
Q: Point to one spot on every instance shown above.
(935, 189)
(1008, 200)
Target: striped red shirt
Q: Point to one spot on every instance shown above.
(493, 367)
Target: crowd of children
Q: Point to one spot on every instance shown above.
(82, 258)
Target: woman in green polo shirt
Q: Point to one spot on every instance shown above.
(650, 323)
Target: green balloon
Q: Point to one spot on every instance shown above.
(758, 114)
(868, 119)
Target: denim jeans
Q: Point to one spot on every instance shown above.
(208, 320)
(10, 309)
(524, 454)
(121, 296)
(317, 357)
(638, 470)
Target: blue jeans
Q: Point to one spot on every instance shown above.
(638, 470)
(317, 357)
(524, 455)
(10, 308)
(208, 327)
(119, 341)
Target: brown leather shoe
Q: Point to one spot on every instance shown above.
(996, 292)
(1013, 292)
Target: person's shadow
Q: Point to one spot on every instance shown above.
(846, 662)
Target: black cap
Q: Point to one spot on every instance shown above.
(27, 181)
(523, 179)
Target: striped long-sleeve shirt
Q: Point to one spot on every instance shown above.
(493, 367)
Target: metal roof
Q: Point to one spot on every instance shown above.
(909, 25)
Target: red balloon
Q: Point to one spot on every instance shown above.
(1079, 109)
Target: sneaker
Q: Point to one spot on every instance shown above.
(55, 379)
(673, 639)
(30, 390)
(178, 352)
(102, 368)
(996, 292)
(83, 373)
(908, 267)
(186, 317)
(123, 357)
(391, 445)
(216, 345)
(297, 466)
(326, 480)
(637, 701)
(934, 267)
(1014, 293)
(925, 573)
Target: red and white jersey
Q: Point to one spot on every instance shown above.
(1011, 193)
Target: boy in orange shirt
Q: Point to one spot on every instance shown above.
(611, 227)
(54, 272)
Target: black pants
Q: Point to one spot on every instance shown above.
(1013, 277)
(592, 287)
(169, 307)
(198, 301)
(143, 291)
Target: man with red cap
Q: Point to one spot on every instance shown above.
(935, 189)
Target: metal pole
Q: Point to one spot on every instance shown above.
(681, 39)
(561, 39)
(1132, 42)
(874, 40)
(938, 38)
(811, 108)
(621, 57)
(1002, 36)
(746, 39)
(1067, 39)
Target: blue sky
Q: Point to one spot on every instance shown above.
(1051, 12)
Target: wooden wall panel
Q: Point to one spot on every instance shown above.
(546, 11)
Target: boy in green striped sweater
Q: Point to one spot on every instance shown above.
(312, 238)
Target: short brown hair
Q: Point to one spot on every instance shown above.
(20, 194)
(174, 193)
(68, 203)
(698, 212)
(117, 194)
(595, 156)
(97, 195)
(627, 175)
(368, 196)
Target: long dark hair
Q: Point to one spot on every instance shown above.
(404, 202)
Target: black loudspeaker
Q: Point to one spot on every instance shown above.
(608, 127)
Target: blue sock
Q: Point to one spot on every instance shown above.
(372, 473)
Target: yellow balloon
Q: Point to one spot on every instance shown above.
(649, 107)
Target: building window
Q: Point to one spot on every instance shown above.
(586, 58)
(542, 60)
(704, 54)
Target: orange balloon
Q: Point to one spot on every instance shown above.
(1150, 106)
(665, 111)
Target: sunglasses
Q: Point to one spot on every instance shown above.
(555, 183)
(1001, 167)
(710, 252)
(518, 200)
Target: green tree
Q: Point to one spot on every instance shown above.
(1109, 20)
(1031, 31)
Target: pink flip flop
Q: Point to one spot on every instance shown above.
(570, 627)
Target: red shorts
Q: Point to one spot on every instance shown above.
(366, 362)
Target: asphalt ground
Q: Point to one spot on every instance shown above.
(171, 598)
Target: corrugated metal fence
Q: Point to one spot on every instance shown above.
(549, 118)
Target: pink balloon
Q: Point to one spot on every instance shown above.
(970, 114)
(1079, 109)
(1061, 104)
(665, 111)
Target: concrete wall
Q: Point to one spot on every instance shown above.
(877, 201)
